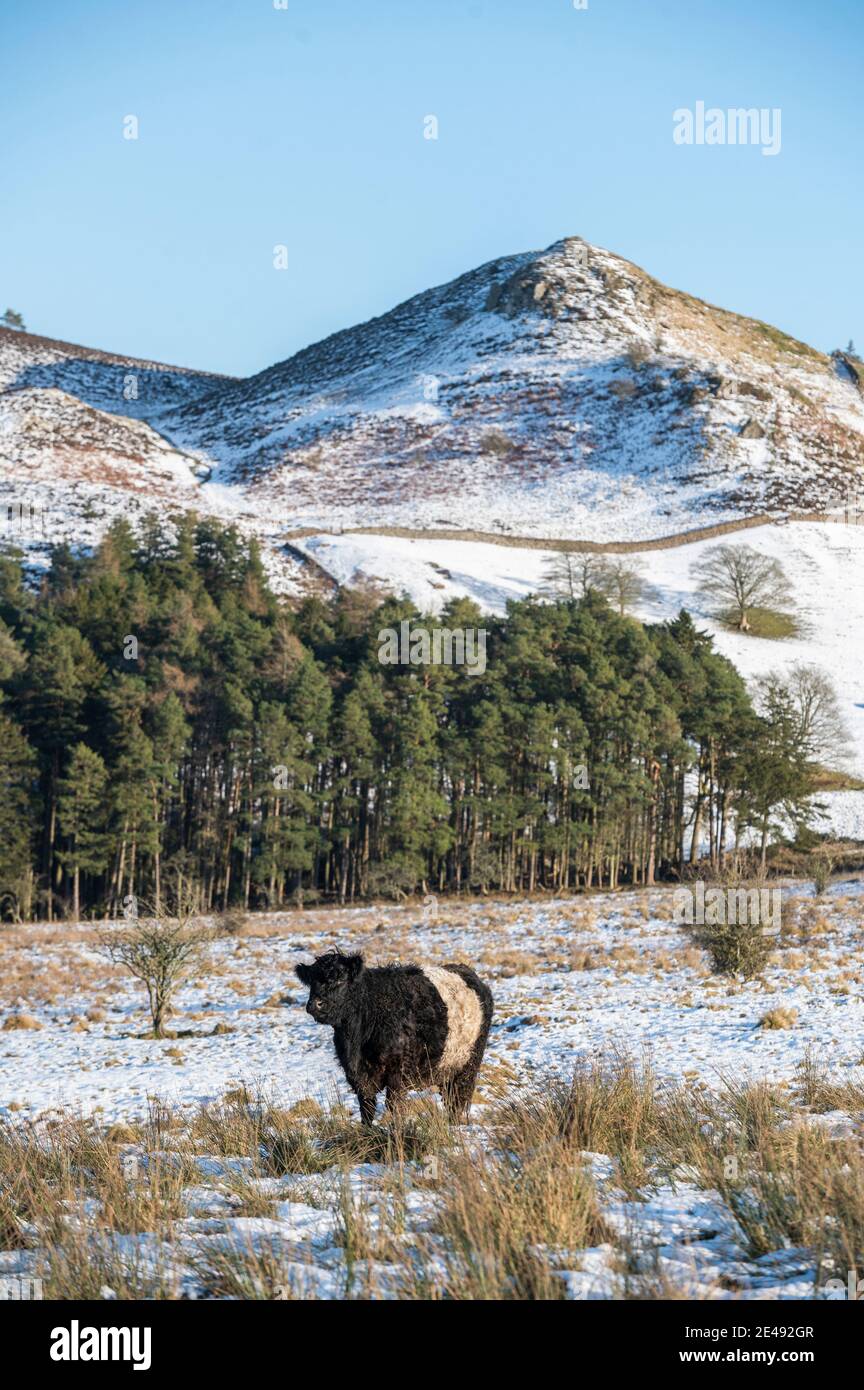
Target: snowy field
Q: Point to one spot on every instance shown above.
(576, 982)
(571, 979)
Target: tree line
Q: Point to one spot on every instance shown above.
(164, 716)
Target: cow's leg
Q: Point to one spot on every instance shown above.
(395, 1100)
(365, 1089)
(457, 1091)
(366, 1097)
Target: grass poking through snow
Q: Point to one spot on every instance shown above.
(242, 1199)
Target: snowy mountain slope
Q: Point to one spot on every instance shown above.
(75, 417)
(560, 393)
(51, 436)
(128, 386)
(66, 468)
(76, 448)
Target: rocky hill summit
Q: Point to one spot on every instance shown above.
(559, 393)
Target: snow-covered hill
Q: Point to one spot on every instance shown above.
(78, 447)
(75, 445)
(562, 393)
(127, 386)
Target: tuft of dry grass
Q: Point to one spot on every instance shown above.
(16, 1022)
(819, 1094)
(499, 1216)
(241, 1271)
(506, 962)
(779, 1018)
(802, 919)
(583, 958)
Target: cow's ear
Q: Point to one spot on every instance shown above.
(304, 974)
(355, 965)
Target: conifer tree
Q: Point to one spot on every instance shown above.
(18, 806)
(83, 818)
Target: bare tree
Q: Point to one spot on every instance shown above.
(818, 728)
(574, 574)
(739, 578)
(569, 574)
(160, 950)
(622, 583)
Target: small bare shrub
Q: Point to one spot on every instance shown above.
(233, 922)
(161, 951)
(823, 867)
(495, 441)
(638, 353)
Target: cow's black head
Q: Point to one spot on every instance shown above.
(329, 979)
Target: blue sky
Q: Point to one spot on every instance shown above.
(304, 127)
